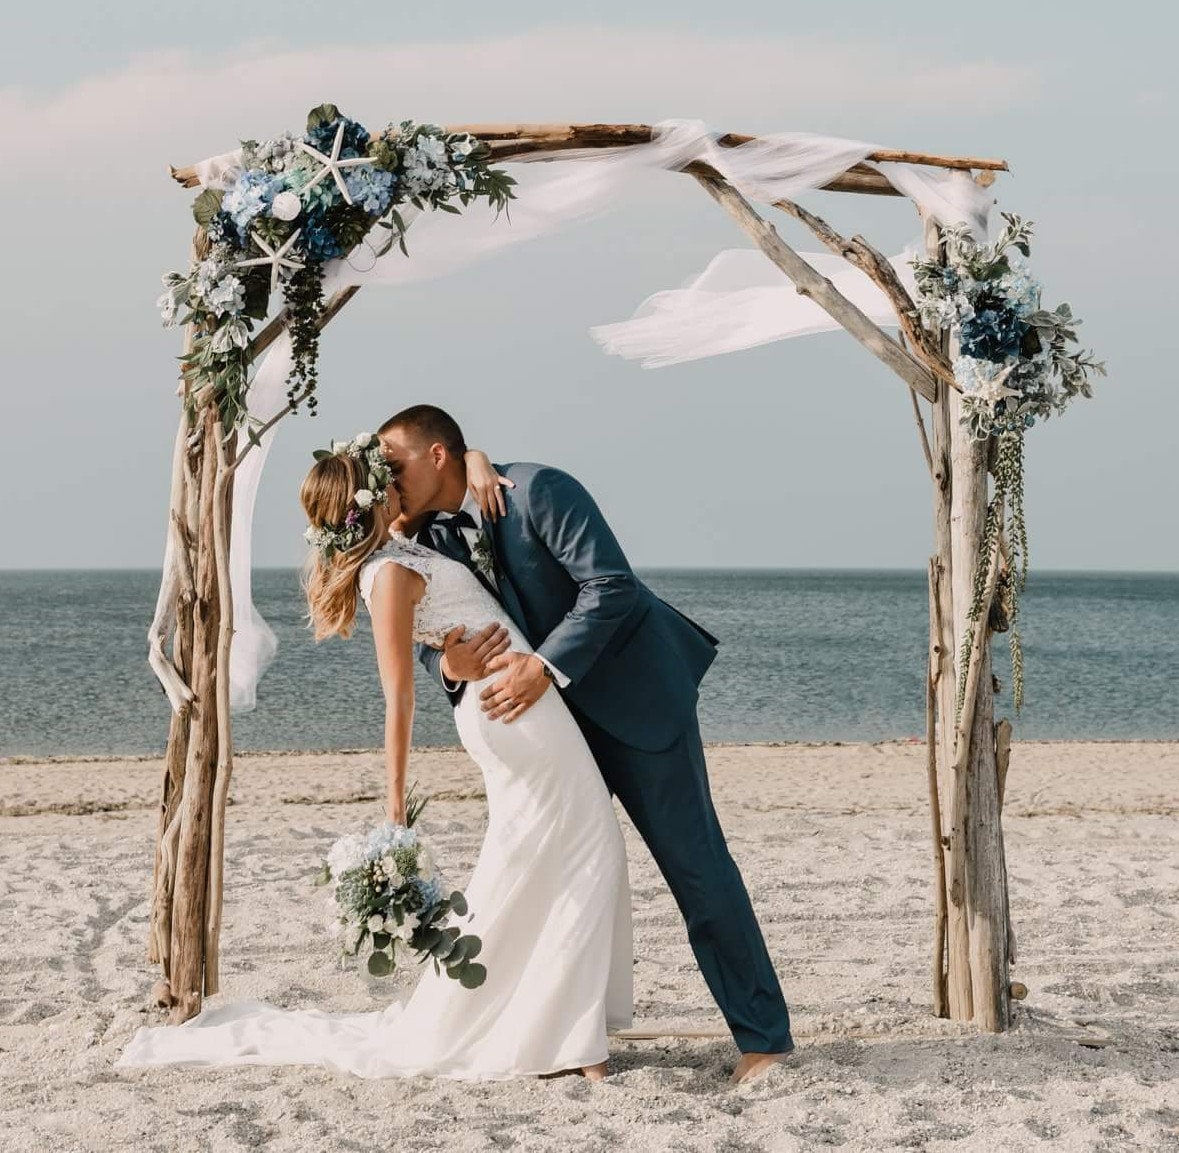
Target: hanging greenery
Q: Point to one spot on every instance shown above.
(1018, 362)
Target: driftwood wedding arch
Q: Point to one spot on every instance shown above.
(968, 752)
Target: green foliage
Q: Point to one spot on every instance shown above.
(304, 299)
(1006, 506)
(207, 205)
(380, 964)
(324, 114)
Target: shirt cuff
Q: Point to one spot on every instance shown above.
(562, 680)
(450, 686)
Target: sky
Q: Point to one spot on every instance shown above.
(796, 454)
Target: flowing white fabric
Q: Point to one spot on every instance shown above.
(549, 898)
(555, 190)
(739, 301)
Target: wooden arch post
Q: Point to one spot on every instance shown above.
(966, 751)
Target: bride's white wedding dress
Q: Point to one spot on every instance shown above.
(549, 896)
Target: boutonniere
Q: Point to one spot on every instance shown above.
(482, 555)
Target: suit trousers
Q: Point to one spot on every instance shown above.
(666, 796)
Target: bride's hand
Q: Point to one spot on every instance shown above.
(485, 484)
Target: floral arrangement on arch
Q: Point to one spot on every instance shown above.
(295, 203)
(1017, 362)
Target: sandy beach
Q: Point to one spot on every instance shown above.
(834, 843)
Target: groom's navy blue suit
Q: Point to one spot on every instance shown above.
(634, 665)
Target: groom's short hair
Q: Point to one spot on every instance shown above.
(425, 422)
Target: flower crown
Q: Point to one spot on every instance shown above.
(366, 448)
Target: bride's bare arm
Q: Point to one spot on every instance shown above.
(485, 484)
(396, 591)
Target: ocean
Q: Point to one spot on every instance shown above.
(806, 655)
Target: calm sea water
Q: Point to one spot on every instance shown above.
(806, 655)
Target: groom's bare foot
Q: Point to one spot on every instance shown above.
(754, 1065)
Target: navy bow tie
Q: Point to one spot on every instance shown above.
(460, 520)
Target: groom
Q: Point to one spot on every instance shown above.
(628, 666)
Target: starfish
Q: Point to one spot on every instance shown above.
(995, 390)
(332, 164)
(276, 257)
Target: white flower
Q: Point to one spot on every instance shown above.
(432, 149)
(406, 929)
(285, 206)
(364, 498)
(363, 439)
(348, 852)
(376, 923)
(228, 296)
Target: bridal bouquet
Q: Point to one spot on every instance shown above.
(388, 891)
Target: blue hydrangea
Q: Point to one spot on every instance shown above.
(430, 892)
(317, 239)
(371, 188)
(250, 196)
(355, 142)
(384, 838)
(992, 334)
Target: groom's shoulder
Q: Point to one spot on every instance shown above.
(531, 476)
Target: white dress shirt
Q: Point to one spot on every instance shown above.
(471, 535)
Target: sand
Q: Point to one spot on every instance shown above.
(833, 841)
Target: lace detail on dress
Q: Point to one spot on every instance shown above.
(453, 594)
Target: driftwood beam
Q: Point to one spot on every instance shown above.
(818, 288)
(509, 140)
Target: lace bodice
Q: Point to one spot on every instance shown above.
(453, 593)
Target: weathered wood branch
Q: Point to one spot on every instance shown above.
(507, 140)
(858, 252)
(818, 288)
(192, 854)
(935, 809)
(222, 505)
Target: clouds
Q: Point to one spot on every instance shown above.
(179, 106)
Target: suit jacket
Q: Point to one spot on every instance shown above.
(633, 661)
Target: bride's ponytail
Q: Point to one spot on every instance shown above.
(343, 536)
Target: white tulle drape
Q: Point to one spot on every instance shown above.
(739, 301)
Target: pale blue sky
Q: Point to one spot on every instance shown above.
(801, 453)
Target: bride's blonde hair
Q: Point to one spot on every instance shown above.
(330, 584)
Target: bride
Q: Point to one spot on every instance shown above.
(549, 894)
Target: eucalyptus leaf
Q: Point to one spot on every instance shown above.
(380, 964)
(472, 976)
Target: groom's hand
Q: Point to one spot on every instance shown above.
(470, 660)
(515, 693)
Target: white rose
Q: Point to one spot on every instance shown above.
(363, 439)
(364, 498)
(376, 923)
(407, 927)
(285, 206)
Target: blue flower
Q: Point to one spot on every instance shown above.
(355, 142)
(992, 334)
(430, 892)
(317, 239)
(371, 188)
(249, 197)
